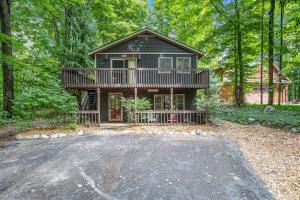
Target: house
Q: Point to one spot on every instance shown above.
(143, 64)
(253, 96)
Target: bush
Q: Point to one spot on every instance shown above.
(279, 119)
(277, 107)
(130, 103)
(211, 102)
(45, 103)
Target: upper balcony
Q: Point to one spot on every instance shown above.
(86, 78)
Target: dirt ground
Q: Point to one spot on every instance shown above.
(273, 154)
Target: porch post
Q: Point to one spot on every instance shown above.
(171, 92)
(98, 104)
(171, 115)
(135, 104)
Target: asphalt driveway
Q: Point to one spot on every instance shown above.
(127, 167)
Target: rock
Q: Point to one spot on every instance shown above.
(193, 133)
(199, 132)
(269, 109)
(27, 137)
(126, 131)
(36, 136)
(80, 132)
(294, 130)
(19, 137)
(217, 122)
(44, 136)
(54, 136)
(62, 135)
(251, 120)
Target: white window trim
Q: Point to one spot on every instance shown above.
(155, 95)
(179, 70)
(165, 72)
(116, 58)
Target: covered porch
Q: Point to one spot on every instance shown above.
(168, 106)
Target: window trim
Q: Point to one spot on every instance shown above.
(162, 98)
(181, 71)
(116, 58)
(165, 72)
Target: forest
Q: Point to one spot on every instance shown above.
(40, 37)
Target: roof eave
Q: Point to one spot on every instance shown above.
(170, 40)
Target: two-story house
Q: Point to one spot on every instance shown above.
(143, 64)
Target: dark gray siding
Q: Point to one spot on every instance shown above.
(146, 61)
(190, 99)
(146, 44)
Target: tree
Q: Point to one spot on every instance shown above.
(282, 2)
(271, 51)
(6, 49)
(262, 50)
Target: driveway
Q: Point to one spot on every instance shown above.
(127, 167)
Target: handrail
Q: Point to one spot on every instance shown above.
(134, 77)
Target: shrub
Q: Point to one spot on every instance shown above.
(130, 103)
(279, 119)
(46, 103)
(212, 102)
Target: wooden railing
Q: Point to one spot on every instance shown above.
(164, 117)
(138, 77)
(88, 117)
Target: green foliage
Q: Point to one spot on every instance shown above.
(43, 102)
(211, 101)
(130, 104)
(277, 107)
(279, 119)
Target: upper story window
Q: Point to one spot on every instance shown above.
(165, 64)
(183, 64)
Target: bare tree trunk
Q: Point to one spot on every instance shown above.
(271, 50)
(8, 89)
(262, 52)
(282, 2)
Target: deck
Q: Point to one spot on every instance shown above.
(87, 78)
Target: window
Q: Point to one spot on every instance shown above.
(183, 64)
(178, 102)
(163, 102)
(165, 64)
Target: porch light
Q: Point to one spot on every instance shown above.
(106, 57)
(139, 57)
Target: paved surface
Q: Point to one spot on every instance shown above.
(127, 167)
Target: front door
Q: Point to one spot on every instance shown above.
(131, 64)
(115, 110)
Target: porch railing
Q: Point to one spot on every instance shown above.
(165, 117)
(138, 77)
(88, 117)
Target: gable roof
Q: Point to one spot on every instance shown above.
(147, 31)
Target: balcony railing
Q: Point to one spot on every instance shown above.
(138, 77)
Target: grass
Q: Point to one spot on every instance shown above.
(283, 119)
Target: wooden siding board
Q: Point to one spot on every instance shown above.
(146, 61)
(146, 44)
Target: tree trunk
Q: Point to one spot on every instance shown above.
(271, 27)
(282, 2)
(8, 89)
(262, 51)
(240, 94)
